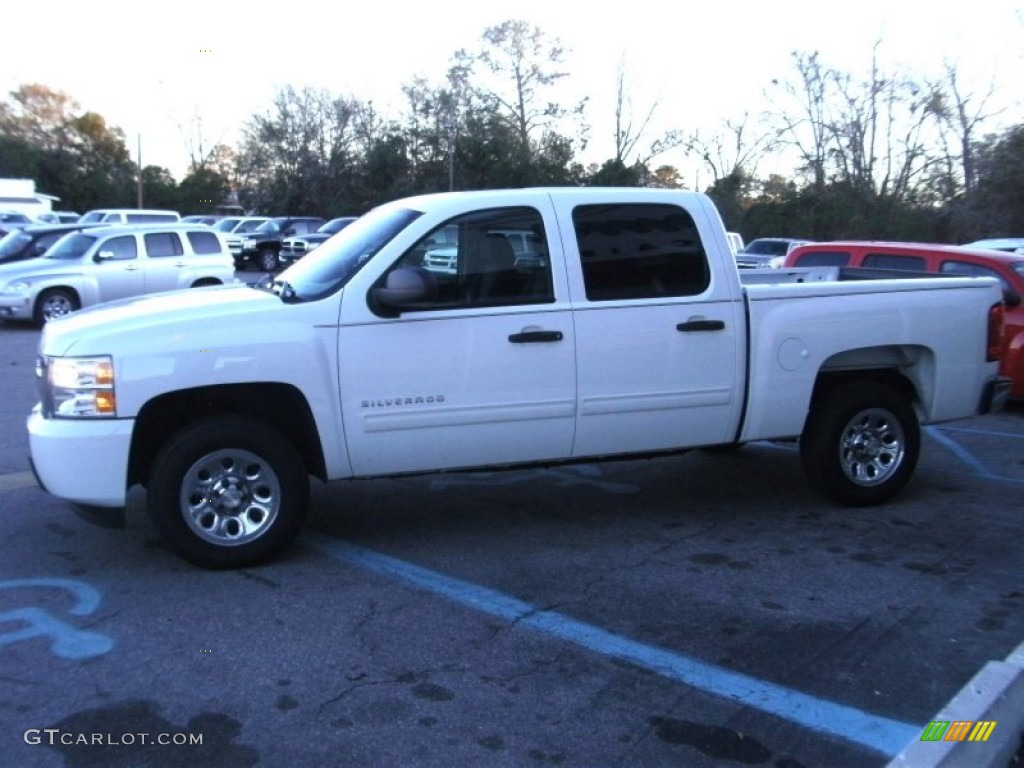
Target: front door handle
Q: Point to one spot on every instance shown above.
(701, 325)
(534, 337)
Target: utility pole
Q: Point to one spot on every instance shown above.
(138, 189)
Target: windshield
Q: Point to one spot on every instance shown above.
(333, 264)
(249, 226)
(13, 242)
(70, 247)
(767, 248)
(225, 225)
(271, 227)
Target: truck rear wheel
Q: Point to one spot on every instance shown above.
(861, 443)
(228, 492)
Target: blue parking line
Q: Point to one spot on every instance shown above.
(963, 454)
(873, 731)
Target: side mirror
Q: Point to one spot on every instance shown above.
(103, 256)
(1011, 298)
(405, 288)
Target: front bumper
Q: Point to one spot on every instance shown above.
(83, 461)
(995, 394)
(16, 307)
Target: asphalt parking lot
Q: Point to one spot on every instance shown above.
(701, 610)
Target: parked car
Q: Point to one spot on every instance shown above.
(263, 246)
(294, 248)
(201, 218)
(235, 229)
(735, 240)
(107, 263)
(32, 242)
(766, 252)
(130, 216)
(962, 261)
(59, 217)
(11, 220)
(1008, 244)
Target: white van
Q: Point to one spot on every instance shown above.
(130, 216)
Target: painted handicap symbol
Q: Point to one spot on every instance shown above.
(66, 641)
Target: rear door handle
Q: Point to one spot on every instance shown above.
(701, 325)
(535, 337)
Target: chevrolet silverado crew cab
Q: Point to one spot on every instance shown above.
(630, 333)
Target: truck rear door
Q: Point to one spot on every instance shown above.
(660, 331)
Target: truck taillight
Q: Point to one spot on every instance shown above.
(994, 345)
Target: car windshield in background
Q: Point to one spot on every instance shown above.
(70, 247)
(225, 225)
(334, 226)
(268, 228)
(333, 264)
(248, 226)
(1018, 267)
(13, 242)
(767, 248)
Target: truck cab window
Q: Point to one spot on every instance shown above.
(639, 251)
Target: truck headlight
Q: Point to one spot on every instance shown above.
(78, 387)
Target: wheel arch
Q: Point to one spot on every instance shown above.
(908, 368)
(205, 281)
(60, 287)
(281, 406)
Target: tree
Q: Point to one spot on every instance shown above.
(71, 154)
(520, 67)
(159, 189)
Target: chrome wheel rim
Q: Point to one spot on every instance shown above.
(872, 447)
(230, 497)
(57, 306)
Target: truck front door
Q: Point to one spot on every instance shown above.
(480, 373)
(660, 339)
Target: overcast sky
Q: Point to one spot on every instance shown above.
(168, 71)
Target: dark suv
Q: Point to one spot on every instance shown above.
(32, 242)
(262, 246)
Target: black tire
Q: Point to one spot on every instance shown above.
(861, 443)
(267, 260)
(54, 303)
(228, 492)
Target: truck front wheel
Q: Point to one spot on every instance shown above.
(267, 259)
(861, 443)
(228, 492)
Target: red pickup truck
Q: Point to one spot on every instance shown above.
(1008, 268)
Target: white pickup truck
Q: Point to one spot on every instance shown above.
(631, 334)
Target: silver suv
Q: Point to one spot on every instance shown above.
(107, 263)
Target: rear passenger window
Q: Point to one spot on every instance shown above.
(204, 242)
(895, 261)
(162, 244)
(639, 251)
(823, 259)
